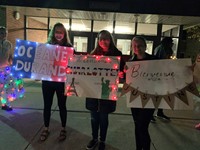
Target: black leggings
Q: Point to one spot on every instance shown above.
(48, 90)
(142, 118)
(99, 120)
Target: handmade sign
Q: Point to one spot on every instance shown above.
(40, 61)
(93, 76)
(164, 84)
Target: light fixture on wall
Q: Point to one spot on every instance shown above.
(16, 15)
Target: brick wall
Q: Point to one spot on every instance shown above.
(16, 29)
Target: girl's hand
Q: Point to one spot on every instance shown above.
(121, 74)
(198, 58)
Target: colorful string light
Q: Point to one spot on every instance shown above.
(11, 88)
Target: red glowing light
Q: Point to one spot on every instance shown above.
(108, 60)
(98, 58)
(115, 66)
(119, 58)
(70, 58)
(114, 87)
(114, 97)
(117, 81)
(68, 70)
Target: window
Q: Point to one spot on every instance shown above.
(80, 43)
(103, 25)
(37, 35)
(81, 25)
(53, 21)
(149, 49)
(125, 27)
(146, 29)
(37, 22)
(168, 29)
(124, 46)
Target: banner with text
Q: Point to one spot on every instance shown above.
(164, 84)
(40, 61)
(92, 76)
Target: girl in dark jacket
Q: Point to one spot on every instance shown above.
(141, 116)
(101, 108)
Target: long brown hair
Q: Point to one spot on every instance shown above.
(52, 39)
(112, 48)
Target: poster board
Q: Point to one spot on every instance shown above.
(93, 76)
(163, 83)
(40, 61)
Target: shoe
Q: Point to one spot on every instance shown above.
(6, 107)
(62, 135)
(153, 120)
(92, 144)
(44, 135)
(101, 145)
(197, 126)
(162, 116)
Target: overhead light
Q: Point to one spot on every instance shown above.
(16, 15)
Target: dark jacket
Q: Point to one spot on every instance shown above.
(163, 52)
(147, 57)
(100, 105)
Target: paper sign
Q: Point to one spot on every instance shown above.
(93, 76)
(164, 84)
(40, 61)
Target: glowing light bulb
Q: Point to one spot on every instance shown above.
(108, 60)
(114, 97)
(115, 66)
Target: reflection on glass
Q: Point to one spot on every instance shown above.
(124, 46)
(81, 25)
(37, 35)
(80, 43)
(147, 29)
(125, 27)
(103, 25)
(175, 46)
(167, 30)
(149, 49)
(53, 21)
(36, 22)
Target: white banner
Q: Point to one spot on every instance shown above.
(92, 76)
(163, 83)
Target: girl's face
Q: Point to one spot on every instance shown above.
(59, 33)
(104, 41)
(138, 47)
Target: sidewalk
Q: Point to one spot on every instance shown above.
(20, 128)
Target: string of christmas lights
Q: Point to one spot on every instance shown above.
(11, 88)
